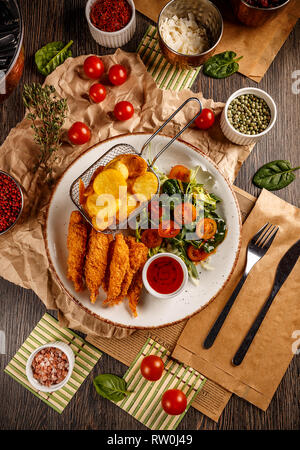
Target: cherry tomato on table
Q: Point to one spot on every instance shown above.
(181, 173)
(123, 110)
(117, 74)
(168, 229)
(97, 93)
(152, 367)
(206, 119)
(151, 238)
(185, 213)
(79, 133)
(174, 402)
(196, 254)
(93, 67)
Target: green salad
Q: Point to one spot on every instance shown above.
(182, 220)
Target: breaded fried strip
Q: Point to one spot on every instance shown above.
(76, 243)
(135, 290)
(138, 253)
(105, 281)
(118, 267)
(96, 261)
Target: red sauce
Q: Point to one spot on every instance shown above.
(165, 275)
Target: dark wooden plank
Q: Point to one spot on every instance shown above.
(21, 309)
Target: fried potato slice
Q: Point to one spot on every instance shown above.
(109, 182)
(135, 164)
(145, 186)
(120, 166)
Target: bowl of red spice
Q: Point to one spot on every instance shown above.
(111, 22)
(50, 366)
(11, 202)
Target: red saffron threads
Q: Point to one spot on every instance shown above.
(10, 201)
(110, 15)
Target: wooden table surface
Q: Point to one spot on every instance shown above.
(52, 20)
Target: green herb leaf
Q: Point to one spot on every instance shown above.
(275, 175)
(221, 65)
(51, 56)
(111, 387)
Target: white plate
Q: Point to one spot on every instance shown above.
(152, 312)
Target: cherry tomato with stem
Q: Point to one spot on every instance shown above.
(123, 111)
(152, 367)
(117, 74)
(174, 402)
(79, 133)
(206, 119)
(97, 93)
(93, 67)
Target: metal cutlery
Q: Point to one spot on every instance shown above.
(284, 268)
(257, 248)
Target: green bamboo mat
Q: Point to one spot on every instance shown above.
(48, 330)
(144, 404)
(165, 75)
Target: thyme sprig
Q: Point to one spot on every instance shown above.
(47, 113)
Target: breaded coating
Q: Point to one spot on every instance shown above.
(96, 262)
(135, 290)
(138, 253)
(105, 282)
(118, 267)
(76, 244)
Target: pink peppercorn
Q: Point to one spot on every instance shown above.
(10, 201)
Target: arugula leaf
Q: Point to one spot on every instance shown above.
(51, 56)
(111, 387)
(275, 175)
(221, 65)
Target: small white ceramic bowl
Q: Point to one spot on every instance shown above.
(155, 293)
(70, 355)
(243, 139)
(111, 39)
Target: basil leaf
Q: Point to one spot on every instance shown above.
(51, 56)
(111, 387)
(221, 65)
(275, 175)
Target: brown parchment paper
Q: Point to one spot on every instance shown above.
(23, 254)
(259, 46)
(269, 355)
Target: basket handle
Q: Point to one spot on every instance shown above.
(178, 134)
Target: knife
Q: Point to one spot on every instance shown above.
(284, 268)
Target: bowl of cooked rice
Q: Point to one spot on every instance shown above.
(189, 31)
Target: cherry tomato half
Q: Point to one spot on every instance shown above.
(196, 254)
(181, 173)
(123, 110)
(155, 210)
(151, 238)
(93, 67)
(206, 228)
(206, 119)
(174, 402)
(97, 93)
(168, 229)
(117, 74)
(185, 213)
(152, 367)
(79, 133)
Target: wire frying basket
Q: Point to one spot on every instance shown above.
(125, 149)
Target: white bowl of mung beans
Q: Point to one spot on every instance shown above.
(249, 114)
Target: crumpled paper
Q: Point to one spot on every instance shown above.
(23, 254)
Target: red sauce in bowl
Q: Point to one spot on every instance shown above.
(165, 275)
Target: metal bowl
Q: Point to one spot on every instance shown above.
(206, 15)
(22, 202)
(11, 51)
(253, 16)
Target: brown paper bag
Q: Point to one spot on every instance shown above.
(269, 355)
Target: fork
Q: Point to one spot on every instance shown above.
(257, 248)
